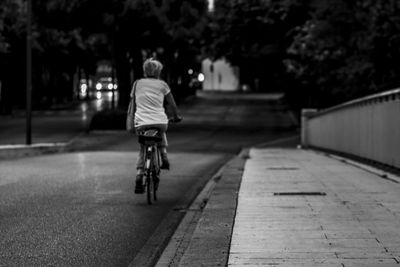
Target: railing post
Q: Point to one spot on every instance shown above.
(305, 114)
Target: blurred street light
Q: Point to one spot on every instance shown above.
(200, 77)
(211, 5)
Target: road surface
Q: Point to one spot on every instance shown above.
(78, 208)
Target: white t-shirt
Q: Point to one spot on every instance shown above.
(149, 98)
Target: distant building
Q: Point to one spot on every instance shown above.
(220, 76)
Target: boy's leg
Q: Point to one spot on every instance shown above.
(140, 161)
(163, 150)
(139, 189)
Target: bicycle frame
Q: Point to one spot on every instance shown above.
(152, 158)
(151, 140)
(151, 171)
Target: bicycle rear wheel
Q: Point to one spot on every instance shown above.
(155, 186)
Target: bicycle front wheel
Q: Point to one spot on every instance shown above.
(149, 187)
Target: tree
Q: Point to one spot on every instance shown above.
(70, 36)
(347, 50)
(12, 53)
(169, 30)
(65, 45)
(185, 23)
(60, 45)
(253, 35)
(319, 52)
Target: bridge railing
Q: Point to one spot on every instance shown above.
(368, 127)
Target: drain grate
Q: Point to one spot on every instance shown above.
(282, 168)
(299, 194)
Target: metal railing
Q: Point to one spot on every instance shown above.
(368, 127)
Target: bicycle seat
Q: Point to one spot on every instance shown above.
(149, 136)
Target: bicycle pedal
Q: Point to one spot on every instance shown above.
(156, 183)
(139, 188)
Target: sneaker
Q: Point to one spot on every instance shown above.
(139, 188)
(165, 162)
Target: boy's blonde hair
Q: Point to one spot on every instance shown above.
(152, 68)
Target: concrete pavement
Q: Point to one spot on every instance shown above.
(291, 207)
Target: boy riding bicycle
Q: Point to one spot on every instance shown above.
(149, 95)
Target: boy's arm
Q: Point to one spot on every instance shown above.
(133, 104)
(171, 103)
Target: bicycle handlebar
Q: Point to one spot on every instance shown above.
(175, 120)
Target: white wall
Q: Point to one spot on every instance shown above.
(368, 128)
(221, 77)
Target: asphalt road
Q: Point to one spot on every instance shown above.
(212, 123)
(78, 208)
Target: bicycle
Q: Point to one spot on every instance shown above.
(151, 139)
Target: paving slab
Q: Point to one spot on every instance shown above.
(291, 207)
(301, 208)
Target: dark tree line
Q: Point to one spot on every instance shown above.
(253, 34)
(347, 49)
(71, 36)
(321, 52)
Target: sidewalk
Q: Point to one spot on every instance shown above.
(294, 208)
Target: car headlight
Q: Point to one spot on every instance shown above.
(83, 88)
(110, 86)
(98, 86)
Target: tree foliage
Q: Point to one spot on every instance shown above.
(185, 23)
(71, 36)
(253, 35)
(170, 30)
(321, 52)
(12, 29)
(347, 49)
(60, 46)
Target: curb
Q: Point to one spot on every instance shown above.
(158, 241)
(36, 149)
(179, 241)
(371, 169)
(16, 151)
(204, 234)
